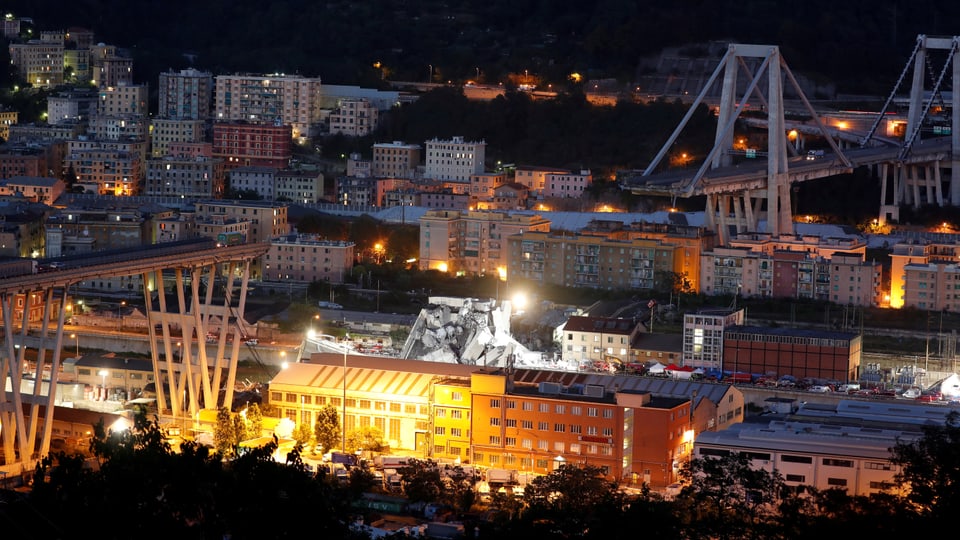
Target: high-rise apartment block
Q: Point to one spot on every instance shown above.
(187, 94)
(307, 258)
(472, 242)
(165, 132)
(590, 261)
(270, 99)
(200, 178)
(454, 159)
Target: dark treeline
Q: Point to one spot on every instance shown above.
(860, 45)
(137, 487)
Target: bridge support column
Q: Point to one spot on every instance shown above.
(955, 135)
(22, 427)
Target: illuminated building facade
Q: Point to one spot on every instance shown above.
(454, 159)
(800, 353)
(241, 144)
(529, 420)
(395, 160)
(471, 242)
(272, 100)
(589, 260)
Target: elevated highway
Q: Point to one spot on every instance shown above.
(34, 310)
(738, 193)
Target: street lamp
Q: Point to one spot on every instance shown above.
(119, 316)
(343, 440)
(76, 337)
(103, 375)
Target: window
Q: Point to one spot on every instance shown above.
(608, 413)
(718, 452)
(511, 422)
(795, 459)
(576, 410)
(494, 403)
(526, 424)
(837, 482)
(544, 408)
(543, 426)
(441, 412)
(561, 409)
(559, 428)
(439, 430)
(494, 420)
(592, 411)
(796, 478)
(495, 439)
(528, 405)
(410, 409)
(510, 441)
(877, 466)
(456, 396)
(838, 463)
(576, 428)
(456, 432)
(511, 404)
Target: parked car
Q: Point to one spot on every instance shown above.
(930, 397)
(819, 389)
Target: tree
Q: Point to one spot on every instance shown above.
(254, 418)
(326, 429)
(572, 500)
(930, 471)
(461, 487)
(725, 497)
(369, 438)
(227, 432)
(302, 434)
(422, 481)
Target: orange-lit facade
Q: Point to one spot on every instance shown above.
(492, 420)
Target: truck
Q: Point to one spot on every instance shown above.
(814, 154)
(501, 477)
(390, 462)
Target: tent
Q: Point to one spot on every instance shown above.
(656, 369)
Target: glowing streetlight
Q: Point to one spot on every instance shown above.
(343, 440)
(76, 337)
(103, 375)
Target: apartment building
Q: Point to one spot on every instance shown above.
(198, 178)
(535, 178)
(471, 242)
(33, 188)
(932, 286)
(482, 186)
(109, 68)
(267, 219)
(115, 227)
(299, 185)
(395, 160)
(801, 353)
(691, 240)
(260, 180)
(39, 61)
(166, 131)
(104, 170)
(511, 196)
(289, 100)
(71, 107)
(357, 191)
(703, 337)
(242, 144)
(22, 161)
(529, 421)
(567, 184)
(454, 159)
(123, 99)
(305, 258)
(354, 117)
(185, 95)
(929, 258)
(606, 340)
(589, 261)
